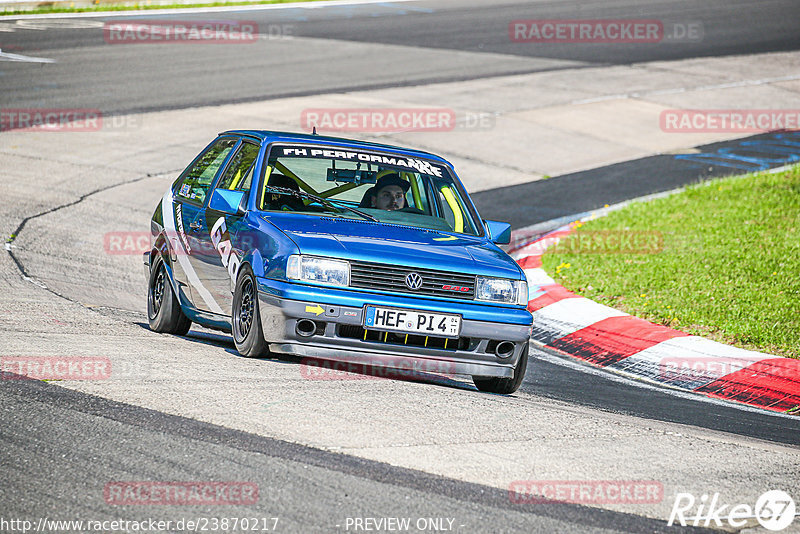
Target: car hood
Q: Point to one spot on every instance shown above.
(363, 240)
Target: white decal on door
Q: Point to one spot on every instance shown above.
(222, 242)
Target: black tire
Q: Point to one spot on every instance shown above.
(245, 318)
(504, 386)
(163, 311)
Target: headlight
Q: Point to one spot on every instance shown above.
(501, 290)
(318, 270)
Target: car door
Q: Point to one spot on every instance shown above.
(223, 236)
(192, 194)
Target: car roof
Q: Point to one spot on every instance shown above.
(290, 137)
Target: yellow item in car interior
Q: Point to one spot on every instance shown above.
(236, 180)
(304, 186)
(453, 203)
(414, 189)
(338, 189)
(267, 174)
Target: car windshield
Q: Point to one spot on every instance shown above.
(389, 188)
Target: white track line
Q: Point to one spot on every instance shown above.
(5, 56)
(216, 9)
(553, 224)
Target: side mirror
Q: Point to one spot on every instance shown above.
(499, 232)
(228, 202)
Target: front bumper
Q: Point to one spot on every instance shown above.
(338, 333)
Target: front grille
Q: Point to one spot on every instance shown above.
(398, 338)
(367, 275)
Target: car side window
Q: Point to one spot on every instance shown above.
(198, 180)
(417, 196)
(453, 209)
(447, 211)
(239, 174)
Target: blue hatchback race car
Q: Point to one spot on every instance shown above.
(338, 250)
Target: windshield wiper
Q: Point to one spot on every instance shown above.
(324, 201)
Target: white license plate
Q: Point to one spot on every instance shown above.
(412, 322)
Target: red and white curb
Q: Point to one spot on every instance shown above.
(611, 339)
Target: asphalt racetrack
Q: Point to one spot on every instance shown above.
(424, 42)
(326, 453)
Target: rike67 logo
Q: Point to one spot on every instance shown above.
(774, 510)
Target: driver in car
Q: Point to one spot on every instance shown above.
(390, 193)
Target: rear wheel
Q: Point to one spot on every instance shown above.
(504, 386)
(245, 319)
(164, 314)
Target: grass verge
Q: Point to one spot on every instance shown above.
(728, 267)
(138, 6)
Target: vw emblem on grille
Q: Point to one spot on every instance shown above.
(413, 281)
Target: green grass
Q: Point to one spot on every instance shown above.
(729, 269)
(136, 7)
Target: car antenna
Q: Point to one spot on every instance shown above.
(314, 130)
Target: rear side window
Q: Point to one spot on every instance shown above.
(239, 174)
(198, 179)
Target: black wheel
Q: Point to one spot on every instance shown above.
(504, 386)
(245, 319)
(163, 311)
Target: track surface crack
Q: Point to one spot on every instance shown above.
(9, 242)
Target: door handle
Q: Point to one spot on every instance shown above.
(195, 225)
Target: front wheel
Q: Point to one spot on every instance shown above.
(164, 314)
(247, 334)
(504, 386)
